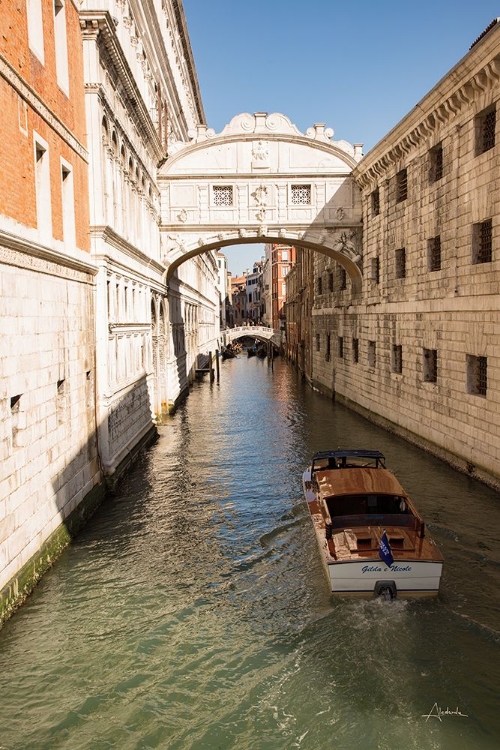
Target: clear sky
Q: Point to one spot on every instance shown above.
(359, 68)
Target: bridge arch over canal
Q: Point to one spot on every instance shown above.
(261, 180)
(262, 333)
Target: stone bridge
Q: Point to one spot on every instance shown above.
(262, 333)
(261, 180)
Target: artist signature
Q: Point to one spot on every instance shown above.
(437, 713)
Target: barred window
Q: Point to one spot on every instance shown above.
(375, 270)
(342, 279)
(482, 246)
(327, 353)
(301, 195)
(320, 285)
(436, 163)
(372, 354)
(376, 202)
(318, 343)
(330, 281)
(355, 351)
(401, 186)
(434, 254)
(397, 358)
(341, 347)
(400, 263)
(477, 375)
(485, 126)
(430, 365)
(223, 195)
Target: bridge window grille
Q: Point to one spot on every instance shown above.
(482, 242)
(485, 130)
(401, 186)
(397, 358)
(434, 253)
(430, 365)
(223, 195)
(301, 195)
(401, 263)
(355, 351)
(436, 163)
(477, 375)
(341, 347)
(372, 354)
(376, 202)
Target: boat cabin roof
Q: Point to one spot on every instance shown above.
(370, 481)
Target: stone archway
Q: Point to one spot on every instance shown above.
(262, 180)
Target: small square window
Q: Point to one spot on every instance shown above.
(485, 126)
(397, 358)
(355, 351)
(434, 254)
(301, 195)
(477, 375)
(430, 365)
(400, 258)
(482, 242)
(401, 185)
(436, 163)
(376, 202)
(223, 195)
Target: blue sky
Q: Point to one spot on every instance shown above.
(358, 68)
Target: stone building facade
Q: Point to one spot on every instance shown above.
(417, 349)
(48, 449)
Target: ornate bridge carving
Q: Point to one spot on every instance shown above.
(256, 332)
(261, 180)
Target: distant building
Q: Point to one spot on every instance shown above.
(282, 260)
(223, 287)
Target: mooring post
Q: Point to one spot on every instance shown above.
(217, 363)
(211, 366)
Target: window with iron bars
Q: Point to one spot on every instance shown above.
(341, 347)
(477, 375)
(485, 126)
(330, 281)
(376, 202)
(318, 342)
(397, 358)
(355, 350)
(434, 253)
(401, 185)
(400, 258)
(328, 350)
(301, 195)
(430, 365)
(223, 195)
(372, 354)
(436, 163)
(482, 246)
(319, 286)
(342, 279)
(375, 270)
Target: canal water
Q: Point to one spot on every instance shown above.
(192, 613)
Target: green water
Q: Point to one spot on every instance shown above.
(193, 613)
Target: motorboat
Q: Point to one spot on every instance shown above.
(372, 539)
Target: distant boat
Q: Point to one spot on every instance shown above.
(372, 539)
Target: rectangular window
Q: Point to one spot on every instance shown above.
(434, 254)
(342, 279)
(400, 263)
(42, 190)
(15, 413)
(372, 354)
(401, 186)
(328, 350)
(436, 163)
(477, 375)
(376, 202)
(301, 195)
(223, 195)
(35, 28)
(485, 126)
(341, 347)
(430, 365)
(355, 351)
(482, 246)
(317, 342)
(61, 45)
(330, 281)
(375, 270)
(397, 358)
(284, 255)
(285, 270)
(319, 286)
(61, 404)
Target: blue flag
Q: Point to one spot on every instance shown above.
(384, 550)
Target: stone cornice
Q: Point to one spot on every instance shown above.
(95, 25)
(188, 55)
(477, 73)
(30, 96)
(113, 239)
(24, 253)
